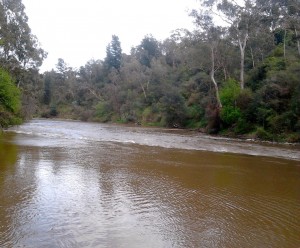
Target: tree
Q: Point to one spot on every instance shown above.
(241, 19)
(61, 67)
(19, 48)
(9, 99)
(212, 37)
(114, 53)
(136, 76)
(147, 50)
(284, 15)
(47, 89)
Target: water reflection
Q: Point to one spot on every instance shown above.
(8, 151)
(111, 194)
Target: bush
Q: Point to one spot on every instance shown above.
(230, 115)
(229, 95)
(284, 122)
(9, 93)
(53, 111)
(104, 111)
(261, 133)
(10, 102)
(293, 138)
(173, 109)
(151, 116)
(242, 126)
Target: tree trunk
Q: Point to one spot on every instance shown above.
(284, 44)
(252, 57)
(225, 73)
(298, 41)
(242, 68)
(212, 76)
(144, 91)
(242, 45)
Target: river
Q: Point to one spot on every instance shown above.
(75, 184)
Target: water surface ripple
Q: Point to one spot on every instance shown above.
(72, 184)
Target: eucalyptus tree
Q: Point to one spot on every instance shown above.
(241, 18)
(19, 48)
(211, 35)
(20, 53)
(290, 13)
(284, 15)
(136, 76)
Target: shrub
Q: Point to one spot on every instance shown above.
(10, 102)
(229, 94)
(242, 126)
(230, 115)
(103, 111)
(9, 93)
(261, 133)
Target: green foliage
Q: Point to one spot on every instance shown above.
(9, 101)
(53, 111)
(7, 118)
(261, 133)
(151, 116)
(114, 53)
(171, 84)
(229, 94)
(293, 138)
(195, 117)
(147, 50)
(173, 109)
(9, 93)
(104, 112)
(230, 115)
(47, 90)
(243, 126)
(19, 48)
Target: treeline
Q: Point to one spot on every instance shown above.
(242, 78)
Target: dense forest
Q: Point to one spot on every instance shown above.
(237, 73)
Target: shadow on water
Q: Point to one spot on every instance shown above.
(8, 152)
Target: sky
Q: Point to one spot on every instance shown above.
(79, 30)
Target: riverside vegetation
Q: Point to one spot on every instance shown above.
(241, 78)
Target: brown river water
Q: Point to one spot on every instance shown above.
(73, 184)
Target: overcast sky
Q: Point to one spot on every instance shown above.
(78, 30)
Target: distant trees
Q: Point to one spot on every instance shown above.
(114, 53)
(147, 50)
(240, 78)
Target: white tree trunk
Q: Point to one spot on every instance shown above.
(252, 56)
(144, 91)
(212, 76)
(284, 44)
(242, 45)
